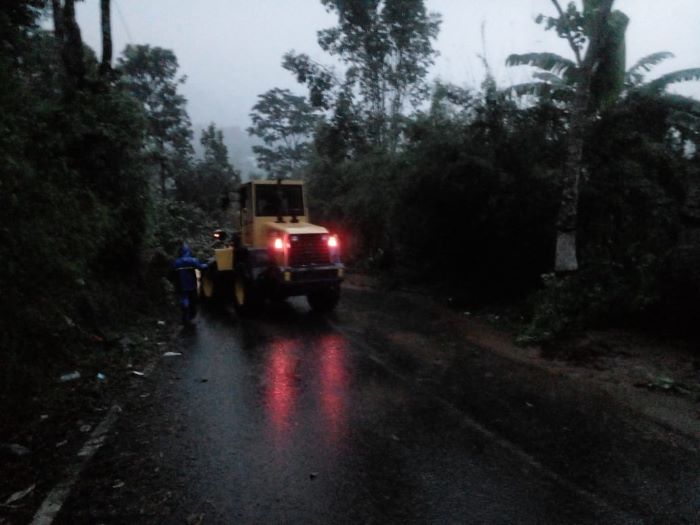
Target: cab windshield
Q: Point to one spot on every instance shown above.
(273, 199)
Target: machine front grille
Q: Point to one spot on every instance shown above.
(308, 249)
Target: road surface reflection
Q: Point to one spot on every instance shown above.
(334, 379)
(320, 371)
(281, 389)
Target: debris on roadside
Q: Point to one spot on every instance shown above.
(137, 373)
(125, 343)
(101, 377)
(19, 495)
(667, 384)
(85, 428)
(15, 449)
(118, 484)
(161, 323)
(70, 376)
(172, 354)
(195, 519)
(313, 475)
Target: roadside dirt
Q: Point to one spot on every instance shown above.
(41, 435)
(656, 377)
(614, 413)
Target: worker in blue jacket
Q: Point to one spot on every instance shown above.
(185, 280)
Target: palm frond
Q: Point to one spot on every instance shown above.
(635, 75)
(549, 78)
(541, 90)
(683, 104)
(551, 62)
(536, 89)
(684, 75)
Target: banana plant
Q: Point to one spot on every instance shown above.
(556, 76)
(595, 79)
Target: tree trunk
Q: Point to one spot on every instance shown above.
(73, 56)
(565, 258)
(58, 30)
(106, 64)
(163, 169)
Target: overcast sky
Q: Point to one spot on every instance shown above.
(231, 50)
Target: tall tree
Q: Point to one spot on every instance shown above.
(106, 27)
(213, 178)
(591, 82)
(69, 40)
(598, 75)
(150, 74)
(387, 47)
(285, 122)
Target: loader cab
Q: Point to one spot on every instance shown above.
(269, 201)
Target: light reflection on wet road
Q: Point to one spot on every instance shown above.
(285, 420)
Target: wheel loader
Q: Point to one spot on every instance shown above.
(275, 253)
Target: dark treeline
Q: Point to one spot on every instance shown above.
(98, 175)
(591, 169)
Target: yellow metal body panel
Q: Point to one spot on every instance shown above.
(256, 231)
(224, 258)
(270, 228)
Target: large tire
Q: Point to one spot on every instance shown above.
(207, 286)
(324, 300)
(210, 285)
(246, 298)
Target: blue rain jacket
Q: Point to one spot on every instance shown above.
(184, 267)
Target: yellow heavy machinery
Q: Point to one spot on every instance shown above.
(275, 254)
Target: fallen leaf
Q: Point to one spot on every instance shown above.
(19, 495)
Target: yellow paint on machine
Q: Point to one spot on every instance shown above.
(224, 258)
(263, 229)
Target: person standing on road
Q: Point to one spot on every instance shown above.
(186, 282)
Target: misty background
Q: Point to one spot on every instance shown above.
(231, 50)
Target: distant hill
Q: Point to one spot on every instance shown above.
(239, 145)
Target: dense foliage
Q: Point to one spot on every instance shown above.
(83, 149)
(436, 184)
(470, 195)
(74, 199)
(285, 123)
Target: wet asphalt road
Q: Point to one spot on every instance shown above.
(284, 419)
(295, 424)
